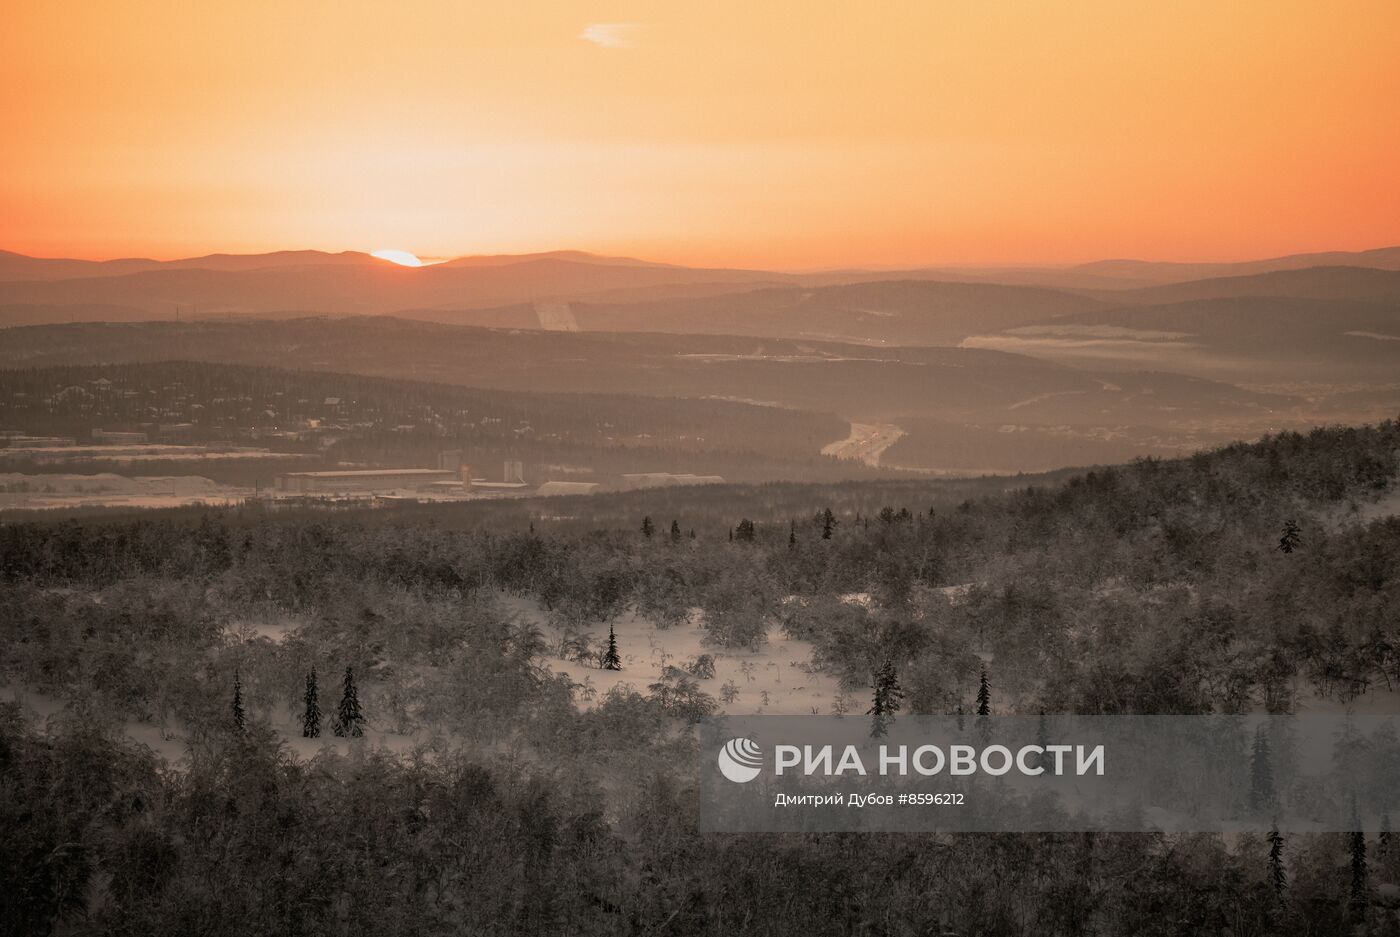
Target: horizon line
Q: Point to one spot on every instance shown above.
(434, 260)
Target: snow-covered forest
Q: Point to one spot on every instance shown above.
(510, 775)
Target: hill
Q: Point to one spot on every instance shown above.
(1151, 589)
(919, 305)
(20, 267)
(1154, 412)
(888, 312)
(857, 382)
(1149, 271)
(359, 288)
(1242, 339)
(376, 421)
(500, 260)
(1356, 284)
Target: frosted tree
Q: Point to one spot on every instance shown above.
(983, 722)
(1360, 870)
(1042, 739)
(240, 718)
(612, 660)
(885, 704)
(349, 720)
(1278, 875)
(311, 716)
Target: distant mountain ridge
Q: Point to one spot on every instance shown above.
(21, 267)
(855, 381)
(1241, 338)
(374, 287)
(1381, 258)
(884, 312)
(583, 257)
(1099, 273)
(920, 306)
(1358, 284)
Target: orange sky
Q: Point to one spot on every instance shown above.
(754, 134)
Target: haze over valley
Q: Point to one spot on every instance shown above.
(979, 370)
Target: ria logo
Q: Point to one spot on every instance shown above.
(740, 760)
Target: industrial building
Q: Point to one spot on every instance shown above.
(567, 488)
(362, 480)
(482, 487)
(450, 460)
(39, 442)
(118, 438)
(149, 453)
(452, 479)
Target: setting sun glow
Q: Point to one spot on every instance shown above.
(402, 258)
(727, 134)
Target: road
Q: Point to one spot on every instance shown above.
(867, 442)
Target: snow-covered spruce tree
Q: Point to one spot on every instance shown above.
(1278, 876)
(240, 718)
(612, 660)
(1360, 869)
(984, 695)
(1042, 738)
(311, 717)
(1359, 872)
(885, 704)
(349, 721)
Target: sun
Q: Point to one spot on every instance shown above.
(402, 258)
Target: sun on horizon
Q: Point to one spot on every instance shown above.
(402, 258)
(919, 134)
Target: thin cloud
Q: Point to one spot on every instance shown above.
(611, 35)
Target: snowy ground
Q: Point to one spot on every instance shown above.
(1388, 505)
(775, 680)
(168, 745)
(1377, 701)
(169, 742)
(288, 724)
